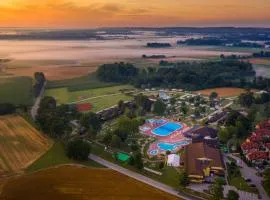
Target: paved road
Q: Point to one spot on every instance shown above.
(35, 107)
(140, 177)
(249, 172)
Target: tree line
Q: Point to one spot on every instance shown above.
(186, 75)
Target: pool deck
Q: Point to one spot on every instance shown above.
(174, 137)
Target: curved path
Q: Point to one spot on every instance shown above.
(141, 178)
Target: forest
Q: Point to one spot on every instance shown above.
(185, 75)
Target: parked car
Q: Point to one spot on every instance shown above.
(247, 179)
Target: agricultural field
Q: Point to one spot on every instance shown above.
(20, 143)
(57, 156)
(74, 182)
(21, 88)
(53, 69)
(100, 98)
(223, 92)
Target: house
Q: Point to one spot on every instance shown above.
(204, 134)
(255, 148)
(173, 160)
(202, 161)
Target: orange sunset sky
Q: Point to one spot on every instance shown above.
(101, 13)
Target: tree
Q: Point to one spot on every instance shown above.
(224, 135)
(159, 107)
(115, 141)
(91, 120)
(121, 106)
(78, 150)
(213, 95)
(216, 190)
(7, 108)
(161, 165)
(246, 99)
(138, 160)
(266, 180)
(184, 109)
(183, 179)
(232, 195)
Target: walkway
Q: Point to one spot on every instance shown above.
(249, 172)
(140, 177)
(35, 107)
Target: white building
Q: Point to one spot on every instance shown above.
(163, 95)
(173, 160)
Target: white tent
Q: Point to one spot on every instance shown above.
(173, 160)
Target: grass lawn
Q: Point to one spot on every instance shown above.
(81, 83)
(169, 176)
(16, 90)
(62, 95)
(56, 156)
(241, 184)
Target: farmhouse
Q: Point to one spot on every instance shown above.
(202, 161)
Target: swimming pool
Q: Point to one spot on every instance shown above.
(167, 129)
(170, 146)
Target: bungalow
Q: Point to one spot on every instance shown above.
(202, 161)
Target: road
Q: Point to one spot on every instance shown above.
(249, 172)
(140, 177)
(35, 107)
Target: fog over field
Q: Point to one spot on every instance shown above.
(46, 54)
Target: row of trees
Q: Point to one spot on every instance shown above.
(247, 99)
(7, 108)
(188, 75)
(39, 79)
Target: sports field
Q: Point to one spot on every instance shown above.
(20, 143)
(74, 183)
(100, 98)
(223, 92)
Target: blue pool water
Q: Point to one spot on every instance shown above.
(167, 129)
(170, 147)
(153, 152)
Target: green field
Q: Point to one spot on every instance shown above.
(56, 156)
(81, 83)
(16, 90)
(100, 97)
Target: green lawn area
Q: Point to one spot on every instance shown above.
(16, 90)
(240, 184)
(56, 156)
(80, 83)
(62, 95)
(170, 175)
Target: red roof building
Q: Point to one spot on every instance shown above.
(255, 147)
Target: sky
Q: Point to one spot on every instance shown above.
(129, 13)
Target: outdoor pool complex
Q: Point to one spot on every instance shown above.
(167, 129)
(170, 147)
